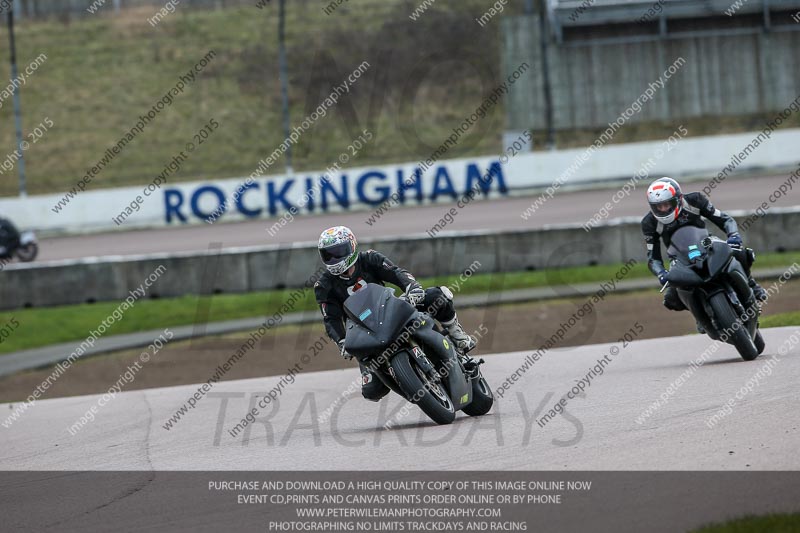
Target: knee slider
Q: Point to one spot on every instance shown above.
(674, 304)
(373, 394)
(372, 389)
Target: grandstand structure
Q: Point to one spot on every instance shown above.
(594, 58)
(632, 21)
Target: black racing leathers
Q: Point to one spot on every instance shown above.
(9, 237)
(331, 291)
(695, 207)
(372, 267)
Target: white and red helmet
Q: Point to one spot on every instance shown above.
(666, 199)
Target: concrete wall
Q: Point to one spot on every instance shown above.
(363, 187)
(269, 267)
(593, 82)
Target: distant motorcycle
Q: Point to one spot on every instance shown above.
(713, 285)
(26, 247)
(412, 355)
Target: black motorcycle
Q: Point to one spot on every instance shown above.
(713, 285)
(410, 352)
(13, 243)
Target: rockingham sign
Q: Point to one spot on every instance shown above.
(348, 190)
(266, 197)
(371, 188)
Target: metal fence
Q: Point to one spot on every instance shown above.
(80, 8)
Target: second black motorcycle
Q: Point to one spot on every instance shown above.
(712, 283)
(13, 243)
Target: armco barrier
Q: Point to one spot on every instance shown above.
(270, 267)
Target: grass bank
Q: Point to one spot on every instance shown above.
(43, 326)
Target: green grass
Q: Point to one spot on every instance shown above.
(482, 283)
(776, 260)
(653, 130)
(102, 72)
(773, 523)
(780, 320)
(41, 327)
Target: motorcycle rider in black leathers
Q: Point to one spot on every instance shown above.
(670, 209)
(349, 270)
(9, 238)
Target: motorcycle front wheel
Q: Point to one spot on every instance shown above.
(429, 396)
(28, 252)
(759, 342)
(482, 397)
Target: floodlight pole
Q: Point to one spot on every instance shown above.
(284, 78)
(17, 106)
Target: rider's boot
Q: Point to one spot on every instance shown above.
(758, 290)
(700, 329)
(464, 342)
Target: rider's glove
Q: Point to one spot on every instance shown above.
(344, 353)
(415, 294)
(663, 277)
(734, 239)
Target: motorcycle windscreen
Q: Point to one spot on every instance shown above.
(686, 244)
(375, 309)
(719, 257)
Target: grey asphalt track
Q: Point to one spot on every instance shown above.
(598, 430)
(741, 193)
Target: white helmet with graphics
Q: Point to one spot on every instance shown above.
(338, 249)
(666, 199)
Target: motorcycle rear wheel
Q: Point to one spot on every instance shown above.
(726, 318)
(430, 397)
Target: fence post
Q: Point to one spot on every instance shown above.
(544, 39)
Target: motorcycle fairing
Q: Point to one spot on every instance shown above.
(439, 347)
(26, 237)
(375, 318)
